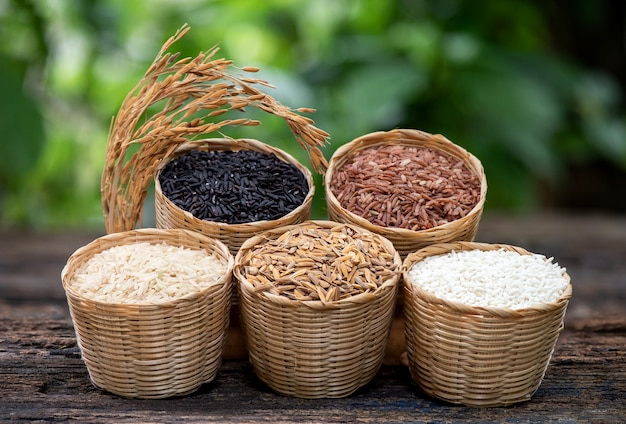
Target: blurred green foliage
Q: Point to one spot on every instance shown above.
(483, 74)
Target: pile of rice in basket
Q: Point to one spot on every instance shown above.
(141, 273)
(495, 278)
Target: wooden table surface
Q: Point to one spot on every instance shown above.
(44, 379)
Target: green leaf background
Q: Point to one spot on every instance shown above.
(493, 79)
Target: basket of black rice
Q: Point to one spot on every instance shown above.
(232, 189)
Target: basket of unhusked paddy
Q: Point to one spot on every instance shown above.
(317, 302)
(150, 309)
(226, 188)
(412, 187)
(482, 320)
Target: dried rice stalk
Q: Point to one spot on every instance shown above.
(193, 92)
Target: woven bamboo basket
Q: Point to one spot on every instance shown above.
(168, 215)
(478, 356)
(405, 240)
(310, 349)
(152, 350)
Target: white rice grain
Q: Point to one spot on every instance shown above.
(143, 273)
(496, 278)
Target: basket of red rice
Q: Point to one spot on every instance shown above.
(412, 187)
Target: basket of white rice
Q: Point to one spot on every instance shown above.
(151, 309)
(482, 320)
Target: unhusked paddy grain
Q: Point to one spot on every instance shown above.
(409, 187)
(141, 273)
(494, 278)
(311, 262)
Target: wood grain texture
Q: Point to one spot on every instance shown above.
(44, 379)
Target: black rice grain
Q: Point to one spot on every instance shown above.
(233, 187)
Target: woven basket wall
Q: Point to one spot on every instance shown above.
(477, 356)
(168, 215)
(152, 350)
(404, 240)
(308, 349)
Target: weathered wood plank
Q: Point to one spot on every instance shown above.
(45, 379)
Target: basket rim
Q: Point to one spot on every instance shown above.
(443, 248)
(237, 144)
(125, 235)
(243, 283)
(405, 135)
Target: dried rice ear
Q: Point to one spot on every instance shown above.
(192, 92)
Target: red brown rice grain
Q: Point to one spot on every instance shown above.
(406, 187)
